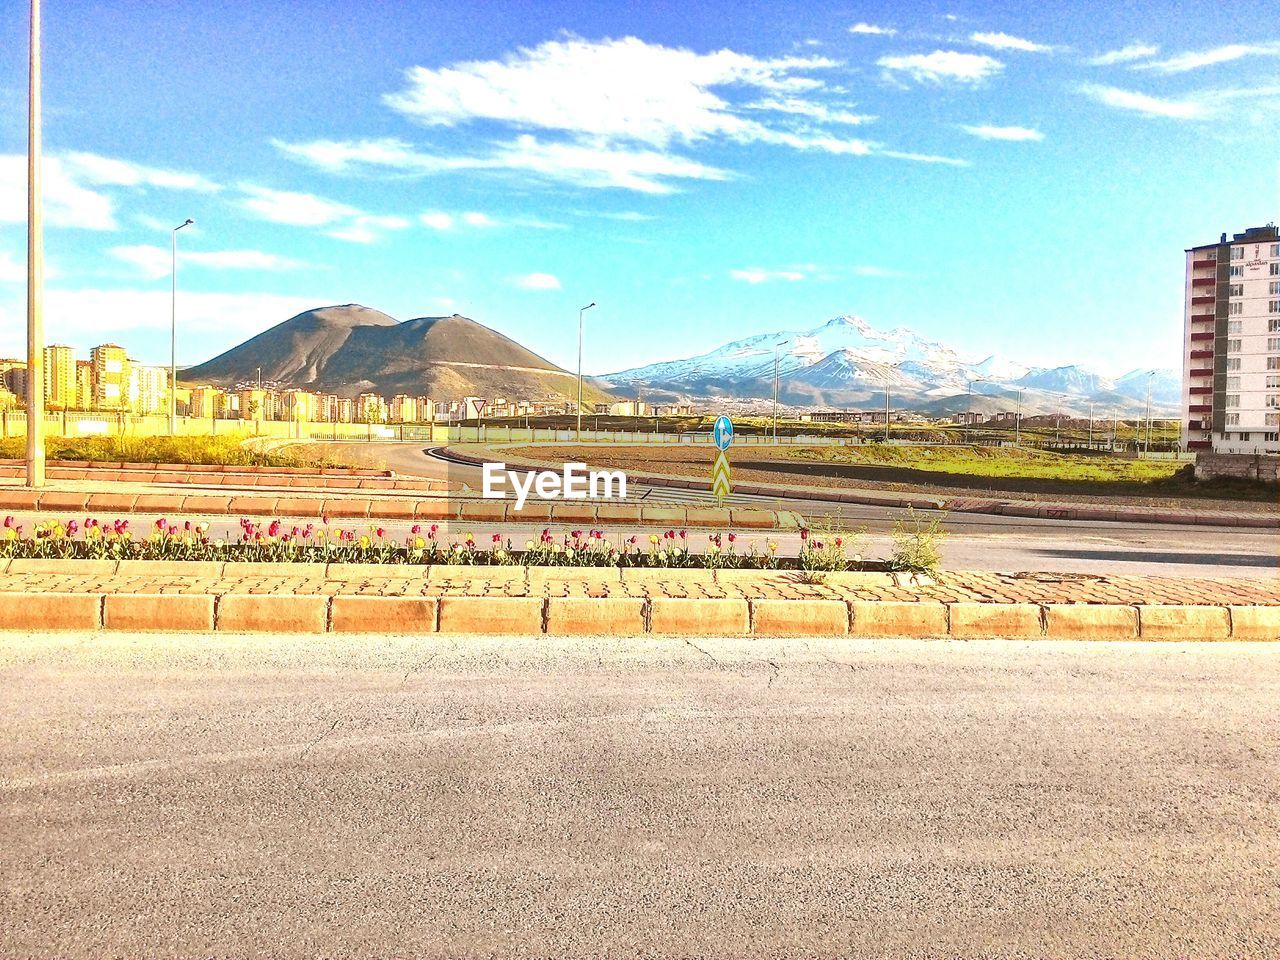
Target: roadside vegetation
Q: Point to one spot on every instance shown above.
(195, 450)
(827, 551)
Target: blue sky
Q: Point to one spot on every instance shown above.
(1010, 178)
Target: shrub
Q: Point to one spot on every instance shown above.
(917, 544)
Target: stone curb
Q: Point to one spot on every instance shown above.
(949, 503)
(624, 616)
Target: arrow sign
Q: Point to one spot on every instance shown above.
(722, 433)
(721, 484)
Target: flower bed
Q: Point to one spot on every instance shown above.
(273, 541)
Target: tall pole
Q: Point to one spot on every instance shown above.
(35, 268)
(1017, 422)
(580, 313)
(1091, 425)
(173, 329)
(968, 417)
(1115, 428)
(886, 408)
(1147, 448)
(775, 392)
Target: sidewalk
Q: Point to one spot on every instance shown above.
(38, 595)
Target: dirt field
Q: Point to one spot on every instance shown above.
(784, 465)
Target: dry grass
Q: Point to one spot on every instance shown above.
(195, 450)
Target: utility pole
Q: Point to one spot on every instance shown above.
(775, 392)
(1147, 449)
(35, 267)
(580, 313)
(1091, 425)
(173, 330)
(968, 419)
(1115, 429)
(1017, 422)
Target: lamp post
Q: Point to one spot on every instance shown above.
(1147, 448)
(886, 407)
(35, 267)
(173, 329)
(580, 313)
(1091, 424)
(1017, 422)
(775, 391)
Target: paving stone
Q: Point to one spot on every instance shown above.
(706, 618)
(799, 618)
(896, 618)
(1183, 622)
(276, 613)
(609, 616)
(165, 613)
(1090, 622)
(49, 610)
(383, 614)
(486, 615)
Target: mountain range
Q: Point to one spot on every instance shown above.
(352, 349)
(847, 362)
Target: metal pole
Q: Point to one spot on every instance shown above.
(173, 329)
(1017, 423)
(1147, 448)
(1091, 426)
(775, 393)
(968, 417)
(35, 268)
(580, 313)
(886, 409)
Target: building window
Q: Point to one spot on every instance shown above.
(1233, 419)
(1270, 437)
(1233, 399)
(1273, 306)
(1235, 326)
(1273, 363)
(1235, 290)
(1233, 346)
(1275, 269)
(1275, 249)
(1239, 271)
(1273, 286)
(1273, 380)
(1237, 253)
(1235, 308)
(1273, 400)
(1273, 343)
(1273, 325)
(1233, 363)
(1245, 435)
(1233, 383)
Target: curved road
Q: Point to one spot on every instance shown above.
(975, 541)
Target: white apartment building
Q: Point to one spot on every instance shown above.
(1231, 344)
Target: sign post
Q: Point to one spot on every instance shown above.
(721, 478)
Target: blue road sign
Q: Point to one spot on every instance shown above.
(723, 432)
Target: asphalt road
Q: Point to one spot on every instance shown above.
(982, 542)
(303, 797)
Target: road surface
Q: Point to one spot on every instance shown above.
(975, 541)
(322, 796)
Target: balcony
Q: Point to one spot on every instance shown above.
(1199, 445)
(1203, 372)
(1206, 335)
(1204, 282)
(1201, 354)
(1201, 391)
(1200, 408)
(1203, 318)
(1200, 425)
(1201, 264)
(1198, 301)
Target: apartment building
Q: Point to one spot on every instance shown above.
(148, 388)
(60, 377)
(1231, 344)
(110, 376)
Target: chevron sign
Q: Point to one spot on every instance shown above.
(721, 485)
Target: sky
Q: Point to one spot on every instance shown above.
(1019, 179)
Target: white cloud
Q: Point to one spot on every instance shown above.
(110, 172)
(538, 281)
(1003, 41)
(474, 219)
(1194, 60)
(295, 209)
(988, 132)
(367, 228)
(1126, 54)
(67, 203)
(155, 262)
(1142, 103)
(877, 272)
(942, 66)
(869, 29)
(810, 108)
(623, 89)
(436, 220)
(925, 158)
(631, 216)
(758, 275)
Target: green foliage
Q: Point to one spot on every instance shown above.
(202, 450)
(826, 547)
(917, 544)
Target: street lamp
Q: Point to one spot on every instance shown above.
(886, 406)
(775, 389)
(173, 331)
(1017, 422)
(580, 313)
(35, 267)
(1147, 448)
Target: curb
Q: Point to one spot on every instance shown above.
(622, 616)
(949, 503)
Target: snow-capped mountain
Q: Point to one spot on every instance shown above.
(846, 361)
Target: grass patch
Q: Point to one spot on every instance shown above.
(1014, 462)
(196, 450)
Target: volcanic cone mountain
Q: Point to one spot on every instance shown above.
(349, 350)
